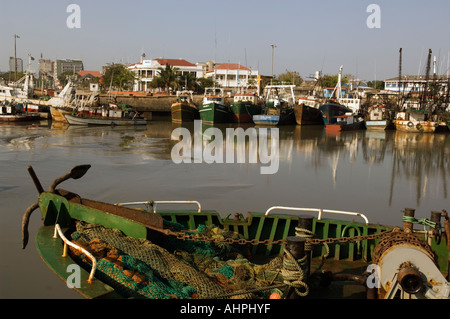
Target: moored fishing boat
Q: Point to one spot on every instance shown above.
(123, 252)
(107, 115)
(278, 108)
(337, 117)
(244, 106)
(379, 117)
(13, 112)
(307, 111)
(184, 109)
(213, 108)
(415, 121)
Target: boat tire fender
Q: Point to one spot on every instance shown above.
(410, 124)
(419, 126)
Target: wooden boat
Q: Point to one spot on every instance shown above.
(184, 109)
(378, 117)
(58, 113)
(337, 117)
(415, 121)
(279, 103)
(124, 252)
(307, 111)
(106, 115)
(213, 108)
(244, 106)
(12, 112)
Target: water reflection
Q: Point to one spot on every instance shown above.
(400, 162)
(377, 173)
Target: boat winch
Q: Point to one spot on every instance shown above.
(407, 267)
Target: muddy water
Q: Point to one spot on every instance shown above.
(376, 173)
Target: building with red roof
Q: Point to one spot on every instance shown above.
(146, 69)
(94, 74)
(233, 75)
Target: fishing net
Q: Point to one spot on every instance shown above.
(180, 269)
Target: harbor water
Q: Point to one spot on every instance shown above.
(377, 173)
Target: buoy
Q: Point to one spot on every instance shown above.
(275, 295)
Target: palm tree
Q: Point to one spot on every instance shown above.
(166, 78)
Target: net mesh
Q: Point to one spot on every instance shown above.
(180, 269)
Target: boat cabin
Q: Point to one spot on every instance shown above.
(347, 118)
(185, 96)
(411, 116)
(246, 97)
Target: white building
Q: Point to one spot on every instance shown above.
(231, 75)
(147, 69)
(414, 83)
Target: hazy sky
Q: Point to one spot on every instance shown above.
(309, 35)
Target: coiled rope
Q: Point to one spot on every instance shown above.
(293, 273)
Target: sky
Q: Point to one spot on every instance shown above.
(309, 36)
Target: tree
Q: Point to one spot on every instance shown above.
(379, 85)
(331, 80)
(118, 76)
(187, 81)
(166, 78)
(203, 83)
(290, 77)
(64, 77)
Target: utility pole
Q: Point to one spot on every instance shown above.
(273, 47)
(15, 57)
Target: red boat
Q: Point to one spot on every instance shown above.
(337, 117)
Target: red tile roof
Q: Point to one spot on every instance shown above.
(95, 74)
(174, 62)
(230, 66)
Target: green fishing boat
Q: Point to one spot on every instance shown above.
(147, 252)
(244, 106)
(213, 108)
(184, 109)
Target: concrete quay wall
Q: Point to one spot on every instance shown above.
(148, 104)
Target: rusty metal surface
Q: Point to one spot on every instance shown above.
(398, 237)
(148, 219)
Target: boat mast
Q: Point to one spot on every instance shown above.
(427, 77)
(400, 97)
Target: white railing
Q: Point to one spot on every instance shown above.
(156, 202)
(320, 211)
(84, 251)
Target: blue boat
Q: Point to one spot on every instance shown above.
(279, 108)
(266, 119)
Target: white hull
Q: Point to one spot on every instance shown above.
(74, 120)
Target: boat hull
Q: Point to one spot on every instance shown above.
(243, 112)
(211, 113)
(415, 127)
(58, 114)
(18, 117)
(184, 112)
(75, 120)
(346, 127)
(307, 115)
(275, 117)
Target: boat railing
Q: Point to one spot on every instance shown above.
(320, 212)
(75, 246)
(154, 203)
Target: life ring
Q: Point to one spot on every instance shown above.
(410, 124)
(419, 126)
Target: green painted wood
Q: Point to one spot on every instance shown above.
(57, 209)
(51, 249)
